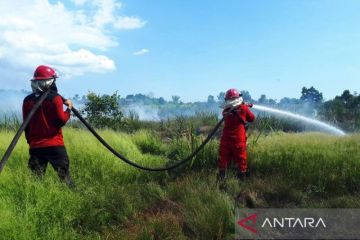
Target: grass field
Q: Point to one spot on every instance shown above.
(115, 201)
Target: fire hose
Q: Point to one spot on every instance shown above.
(126, 160)
(21, 129)
(102, 141)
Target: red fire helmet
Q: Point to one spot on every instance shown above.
(232, 93)
(43, 72)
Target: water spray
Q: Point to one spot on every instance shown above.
(320, 124)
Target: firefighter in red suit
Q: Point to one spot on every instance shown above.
(233, 139)
(43, 133)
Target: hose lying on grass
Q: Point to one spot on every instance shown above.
(126, 160)
(103, 142)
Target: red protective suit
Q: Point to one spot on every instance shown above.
(44, 129)
(233, 139)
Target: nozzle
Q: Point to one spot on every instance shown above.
(250, 105)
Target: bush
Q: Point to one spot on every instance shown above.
(103, 111)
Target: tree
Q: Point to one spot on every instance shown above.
(263, 99)
(175, 99)
(346, 97)
(343, 110)
(271, 101)
(103, 111)
(130, 96)
(77, 98)
(211, 99)
(291, 104)
(140, 97)
(161, 100)
(221, 97)
(311, 95)
(266, 101)
(246, 96)
(288, 101)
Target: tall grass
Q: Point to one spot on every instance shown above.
(9, 122)
(115, 201)
(316, 161)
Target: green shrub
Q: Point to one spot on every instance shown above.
(149, 143)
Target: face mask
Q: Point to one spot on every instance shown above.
(41, 85)
(233, 102)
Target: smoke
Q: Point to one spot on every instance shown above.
(155, 112)
(11, 103)
(142, 112)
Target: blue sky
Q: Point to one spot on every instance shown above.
(190, 48)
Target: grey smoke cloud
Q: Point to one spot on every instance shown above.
(11, 102)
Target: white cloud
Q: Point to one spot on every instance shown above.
(105, 12)
(141, 52)
(129, 23)
(79, 2)
(34, 32)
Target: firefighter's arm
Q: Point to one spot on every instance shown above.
(61, 116)
(25, 114)
(250, 117)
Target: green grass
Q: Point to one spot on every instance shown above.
(9, 122)
(317, 161)
(115, 201)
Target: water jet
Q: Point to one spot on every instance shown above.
(321, 125)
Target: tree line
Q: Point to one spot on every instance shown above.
(342, 111)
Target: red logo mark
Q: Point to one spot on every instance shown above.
(251, 227)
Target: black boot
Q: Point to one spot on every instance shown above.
(241, 175)
(222, 175)
(64, 176)
(222, 180)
